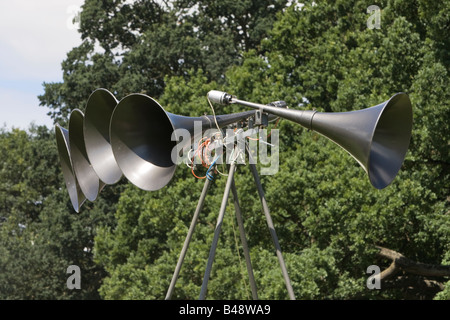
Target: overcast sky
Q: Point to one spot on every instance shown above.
(35, 36)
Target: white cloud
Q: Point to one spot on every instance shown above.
(35, 37)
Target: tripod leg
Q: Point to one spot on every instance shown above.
(244, 241)
(212, 251)
(188, 238)
(272, 229)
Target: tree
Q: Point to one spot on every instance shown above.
(40, 235)
(132, 47)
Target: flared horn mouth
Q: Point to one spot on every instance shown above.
(377, 137)
(76, 196)
(99, 110)
(141, 142)
(87, 178)
(390, 140)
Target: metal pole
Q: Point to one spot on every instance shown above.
(188, 238)
(212, 251)
(271, 228)
(244, 241)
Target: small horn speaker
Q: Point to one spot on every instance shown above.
(377, 137)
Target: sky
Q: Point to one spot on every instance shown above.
(35, 36)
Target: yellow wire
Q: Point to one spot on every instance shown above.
(214, 113)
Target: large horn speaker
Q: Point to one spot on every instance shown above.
(76, 196)
(377, 137)
(97, 118)
(86, 176)
(141, 138)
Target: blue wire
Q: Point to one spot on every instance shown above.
(209, 175)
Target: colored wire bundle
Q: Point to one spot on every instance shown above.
(203, 153)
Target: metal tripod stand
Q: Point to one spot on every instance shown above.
(230, 186)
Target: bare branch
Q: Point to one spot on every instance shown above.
(389, 272)
(400, 262)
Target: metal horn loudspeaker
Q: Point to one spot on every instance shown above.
(89, 182)
(76, 195)
(141, 138)
(377, 137)
(97, 118)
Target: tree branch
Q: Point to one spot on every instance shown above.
(400, 262)
(389, 272)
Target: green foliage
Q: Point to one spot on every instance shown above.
(40, 236)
